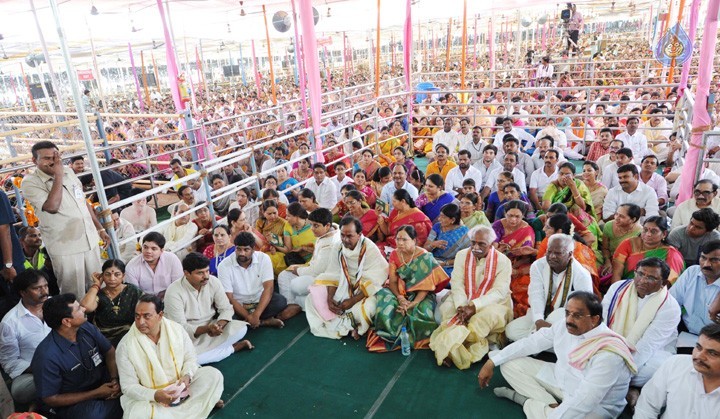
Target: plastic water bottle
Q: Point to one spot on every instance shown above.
(405, 341)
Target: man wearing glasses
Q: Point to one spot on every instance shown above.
(646, 315)
(608, 158)
(589, 379)
(704, 196)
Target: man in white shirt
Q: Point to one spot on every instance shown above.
(518, 133)
(686, 386)
(464, 135)
(248, 281)
(643, 312)
(541, 147)
(632, 191)
(594, 385)
(475, 146)
(605, 160)
(651, 178)
(542, 177)
(509, 165)
(567, 275)
(634, 139)
(487, 164)
(658, 129)
(610, 175)
(524, 163)
(399, 174)
(21, 331)
(544, 72)
(340, 180)
(323, 188)
(294, 281)
(456, 175)
(705, 196)
(179, 233)
(447, 137)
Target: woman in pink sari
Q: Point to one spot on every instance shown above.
(404, 212)
(516, 239)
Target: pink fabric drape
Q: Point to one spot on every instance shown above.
(701, 118)
(135, 77)
(301, 70)
(256, 70)
(313, 71)
(685, 74)
(407, 59)
(491, 44)
(328, 73)
(172, 69)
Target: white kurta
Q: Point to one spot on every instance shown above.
(192, 309)
(373, 273)
(173, 357)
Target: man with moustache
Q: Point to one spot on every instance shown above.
(248, 282)
(342, 300)
(199, 304)
(399, 175)
(544, 176)
(697, 289)
(21, 331)
(464, 170)
(478, 307)
(552, 279)
(589, 378)
(630, 191)
(704, 196)
(646, 315)
(159, 373)
(74, 366)
(686, 386)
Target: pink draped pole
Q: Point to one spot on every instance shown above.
(301, 70)
(172, 69)
(257, 70)
(684, 75)
(135, 77)
(491, 44)
(701, 117)
(313, 72)
(407, 59)
(328, 73)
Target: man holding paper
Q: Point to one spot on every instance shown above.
(159, 373)
(478, 307)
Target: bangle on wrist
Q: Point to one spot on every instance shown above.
(100, 230)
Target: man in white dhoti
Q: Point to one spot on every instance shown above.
(590, 377)
(159, 375)
(686, 386)
(552, 279)
(342, 301)
(198, 303)
(478, 307)
(646, 315)
(295, 281)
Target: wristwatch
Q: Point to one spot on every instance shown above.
(8, 265)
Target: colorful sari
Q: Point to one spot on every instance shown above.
(369, 222)
(273, 233)
(420, 274)
(613, 240)
(370, 196)
(457, 239)
(215, 260)
(631, 251)
(520, 278)
(432, 208)
(476, 218)
(369, 170)
(415, 218)
(288, 183)
(582, 254)
(586, 215)
(302, 237)
(500, 212)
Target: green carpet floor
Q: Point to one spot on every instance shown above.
(293, 373)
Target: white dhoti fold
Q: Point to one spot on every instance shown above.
(523, 326)
(359, 317)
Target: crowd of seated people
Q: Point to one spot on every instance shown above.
(492, 245)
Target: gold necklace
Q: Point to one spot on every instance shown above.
(402, 258)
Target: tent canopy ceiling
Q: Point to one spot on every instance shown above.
(118, 22)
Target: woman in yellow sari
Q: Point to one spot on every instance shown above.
(422, 136)
(386, 145)
(298, 236)
(272, 227)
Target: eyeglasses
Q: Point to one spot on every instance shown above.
(703, 193)
(644, 277)
(576, 316)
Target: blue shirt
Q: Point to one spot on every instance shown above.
(7, 217)
(694, 295)
(60, 366)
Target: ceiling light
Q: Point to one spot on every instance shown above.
(94, 11)
(328, 13)
(242, 10)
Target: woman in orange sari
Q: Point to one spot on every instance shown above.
(516, 238)
(561, 224)
(404, 212)
(421, 136)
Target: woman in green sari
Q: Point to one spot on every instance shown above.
(114, 303)
(575, 195)
(410, 299)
